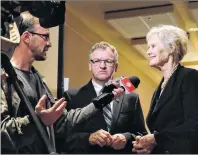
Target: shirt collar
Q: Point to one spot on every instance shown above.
(97, 87)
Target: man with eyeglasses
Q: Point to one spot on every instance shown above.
(19, 133)
(110, 131)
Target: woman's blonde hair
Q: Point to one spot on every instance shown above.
(172, 37)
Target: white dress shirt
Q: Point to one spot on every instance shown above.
(98, 88)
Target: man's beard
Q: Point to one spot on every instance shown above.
(40, 56)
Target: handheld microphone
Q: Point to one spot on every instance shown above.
(128, 84)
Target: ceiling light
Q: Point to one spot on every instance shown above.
(193, 29)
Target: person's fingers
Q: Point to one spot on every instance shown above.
(60, 110)
(134, 142)
(115, 93)
(109, 141)
(134, 150)
(117, 141)
(106, 137)
(103, 131)
(120, 89)
(118, 145)
(40, 104)
(103, 135)
(142, 151)
(137, 146)
(118, 92)
(115, 144)
(61, 107)
(115, 138)
(107, 134)
(101, 141)
(115, 83)
(109, 138)
(57, 104)
(137, 139)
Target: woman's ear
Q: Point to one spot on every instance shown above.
(172, 49)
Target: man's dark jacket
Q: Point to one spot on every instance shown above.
(127, 119)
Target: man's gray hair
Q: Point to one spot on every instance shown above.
(104, 45)
(27, 22)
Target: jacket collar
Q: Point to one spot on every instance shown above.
(157, 102)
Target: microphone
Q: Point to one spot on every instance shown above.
(128, 84)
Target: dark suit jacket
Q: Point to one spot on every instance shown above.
(127, 118)
(174, 116)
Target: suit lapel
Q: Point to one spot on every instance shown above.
(90, 89)
(153, 103)
(165, 96)
(168, 91)
(117, 104)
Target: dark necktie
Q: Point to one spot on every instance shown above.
(107, 115)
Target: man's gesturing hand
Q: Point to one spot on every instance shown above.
(49, 116)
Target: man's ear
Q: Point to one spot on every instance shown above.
(25, 37)
(116, 67)
(89, 66)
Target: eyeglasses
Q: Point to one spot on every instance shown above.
(107, 62)
(46, 37)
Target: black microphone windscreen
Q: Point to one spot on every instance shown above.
(67, 96)
(135, 81)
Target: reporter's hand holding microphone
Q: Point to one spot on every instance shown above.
(115, 89)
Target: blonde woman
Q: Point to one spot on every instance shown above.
(173, 116)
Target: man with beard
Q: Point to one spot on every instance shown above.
(19, 133)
